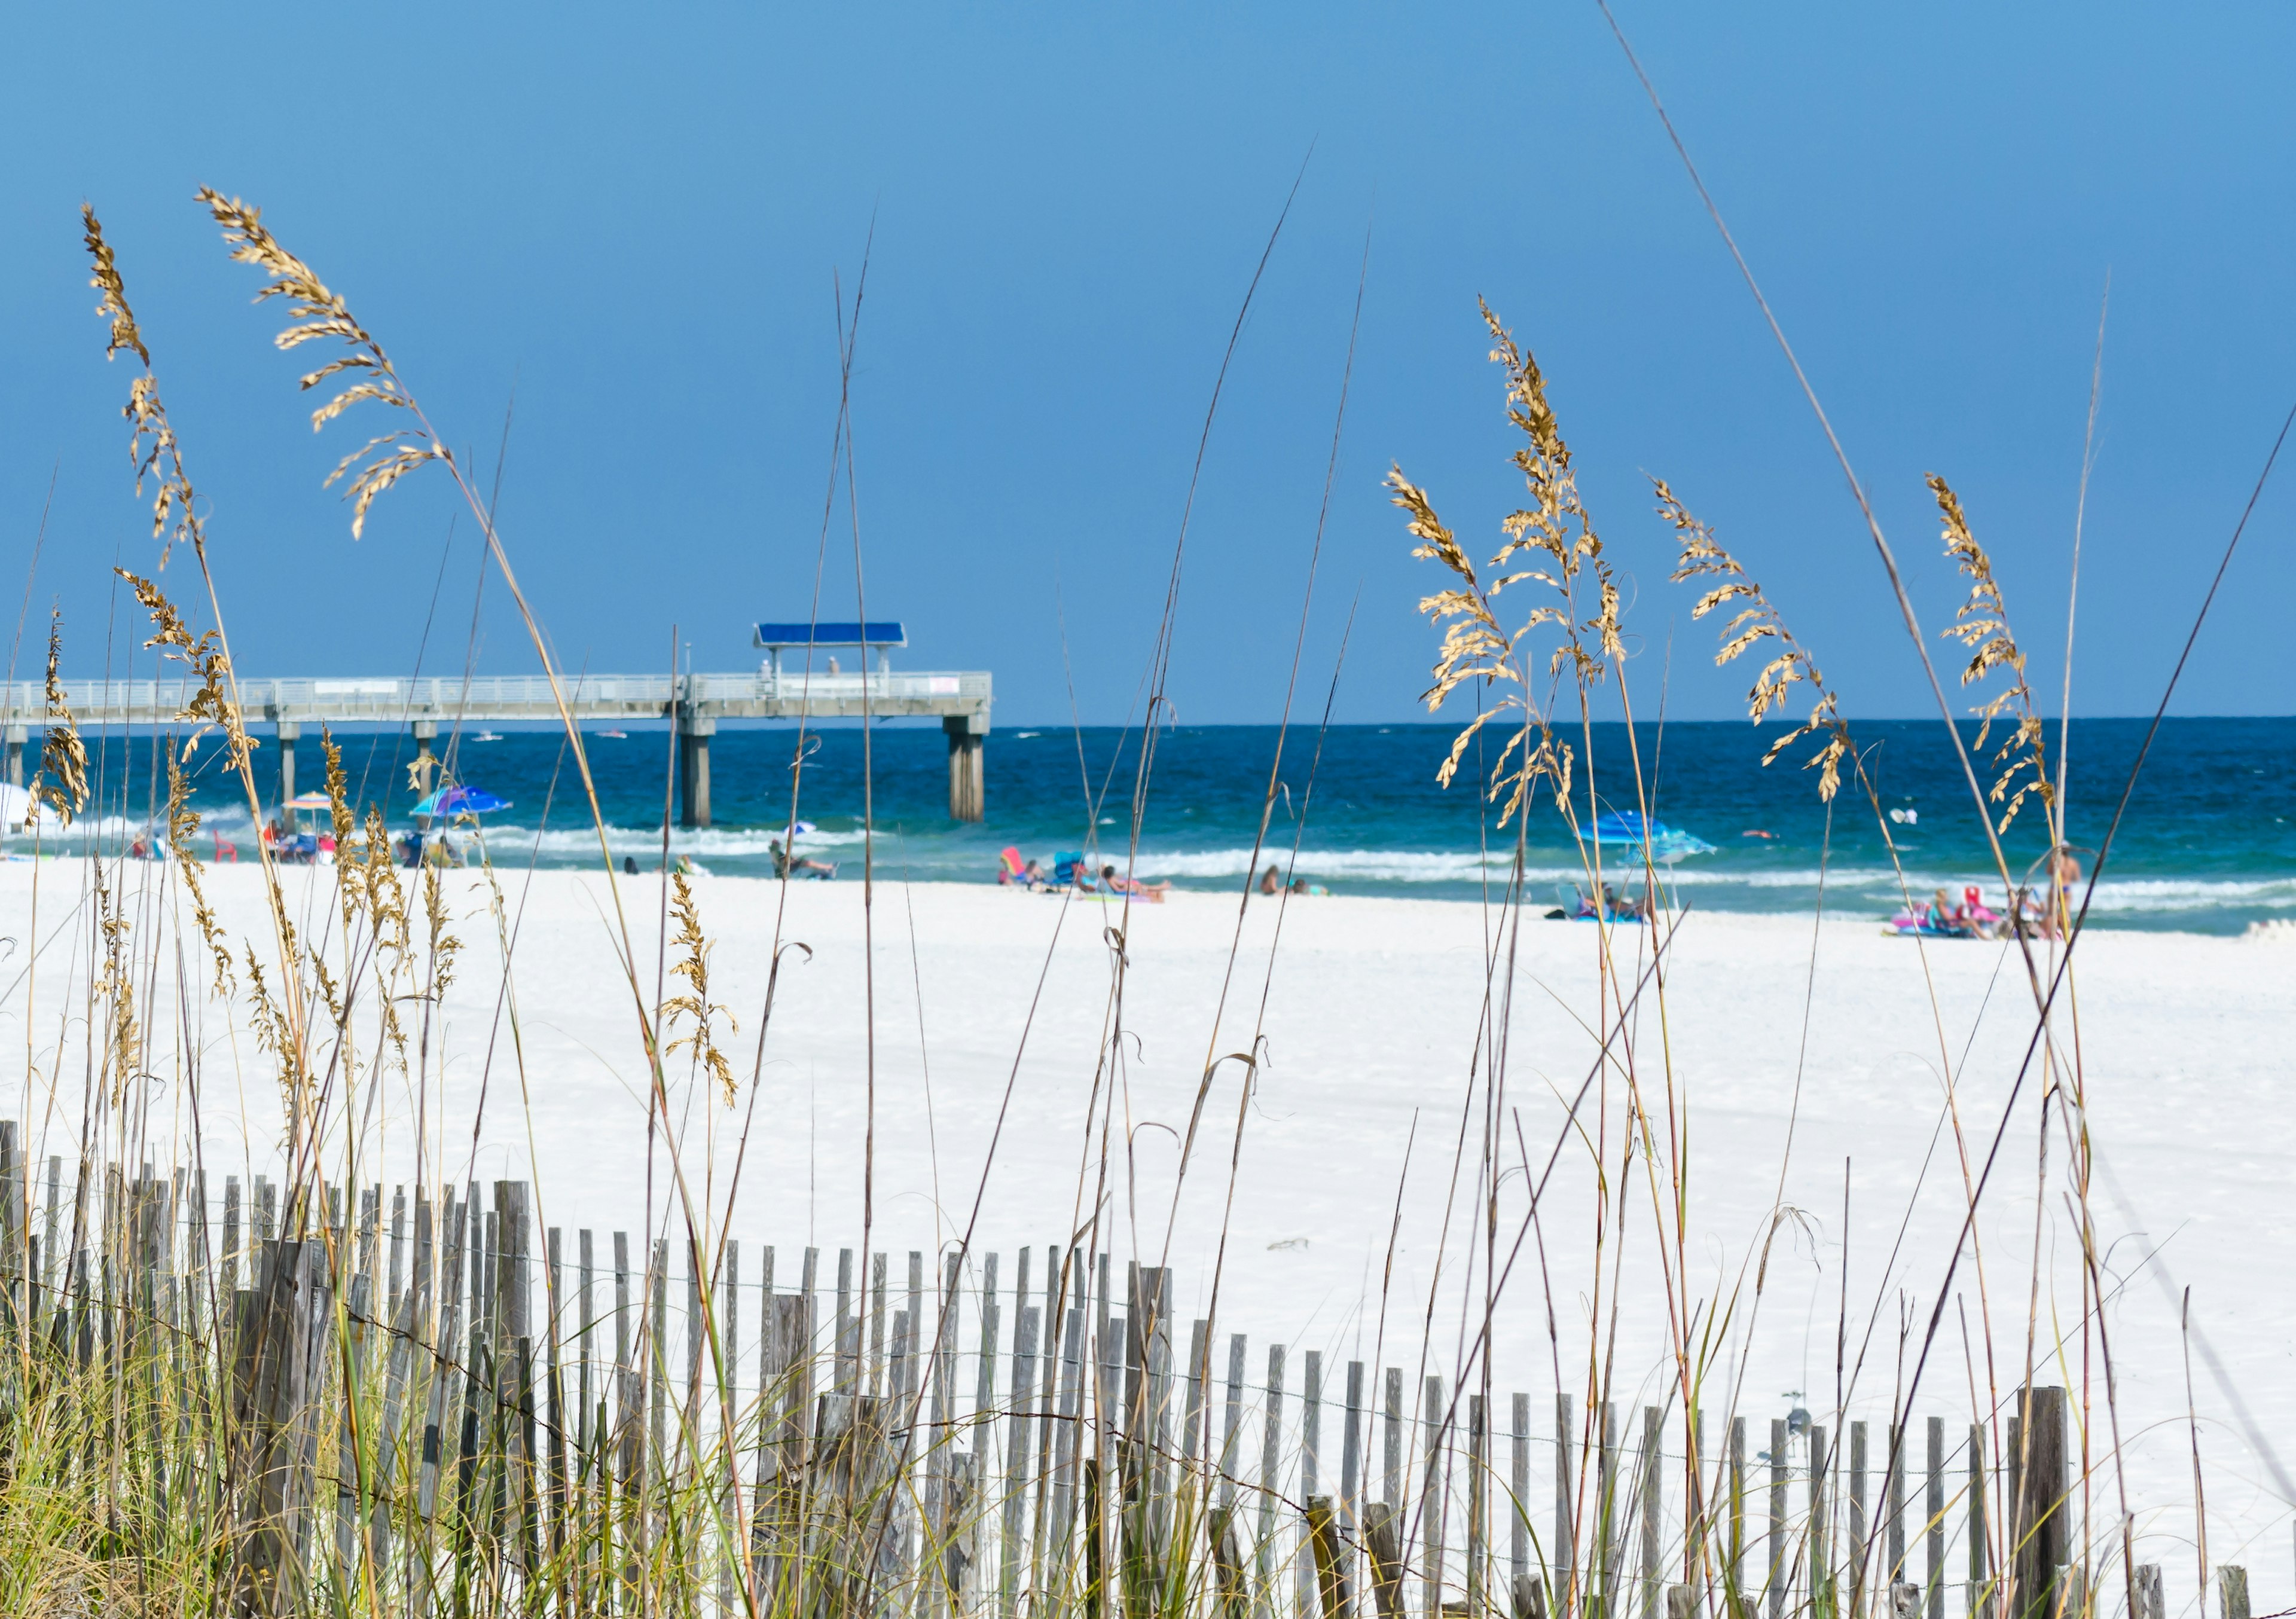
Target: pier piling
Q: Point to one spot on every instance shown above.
(968, 790)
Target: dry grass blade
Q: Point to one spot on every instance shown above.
(1982, 625)
(1704, 558)
(318, 314)
(113, 307)
(62, 781)
(204, 655)
(153, 447)
(1477, 644)
(699, 1013)
(183, 826)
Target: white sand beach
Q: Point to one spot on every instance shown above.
(994, 1006)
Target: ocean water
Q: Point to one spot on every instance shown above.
(2208, 842)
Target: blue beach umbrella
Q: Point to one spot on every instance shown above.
(1627, 829)
(460, 801)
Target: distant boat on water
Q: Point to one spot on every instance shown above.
(617, 735)
(487, 736)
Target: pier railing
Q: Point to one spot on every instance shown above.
(393, 701)
(960, 700)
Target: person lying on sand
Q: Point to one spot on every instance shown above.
(1117, 883)
(786, 865)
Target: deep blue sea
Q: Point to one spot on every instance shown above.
(2208, 842)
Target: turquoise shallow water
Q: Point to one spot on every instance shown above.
(2208, 842)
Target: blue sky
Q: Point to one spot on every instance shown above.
(634, 216)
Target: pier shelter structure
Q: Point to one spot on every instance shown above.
(693, 703)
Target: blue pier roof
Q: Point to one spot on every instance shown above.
(874, 632)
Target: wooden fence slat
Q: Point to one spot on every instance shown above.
(2152, 1600)
(657, 1371)
(559, 1493)
(1774, 1580)
(2232, 1591)
(1519, 1483)
(2036, 1474)
(1022, 1381)
(1933, 1537)
(1432, 1499)
(878, 1271)
(1306, 1596)
(628, 1427)
(942, 1445)
(397, 1252)
(1976, 1531)
(1736, 1507)
(917, 1333)
(1479, 1473)
(1331, 1570)
(230, 1226)
(348, 1512)
(1894, 1502)
(1271, 1481)
(1232, 1422)
(843, 1345)
(1861, 1530)
(1058, 1280)
(1353, 1473)
(1647, 1465)
(438, 1409)
(1068, 1434)
(1821, 1535)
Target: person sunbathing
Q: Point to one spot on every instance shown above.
(786, 865)
(1947, 916)
(1120, 884)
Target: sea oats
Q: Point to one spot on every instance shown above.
(1477, 645)
(1704, 558)
(1982, 625)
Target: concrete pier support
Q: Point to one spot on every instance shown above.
(426, 732)
(693, 734)
(17, 735)
(968, 775)
(289, 732)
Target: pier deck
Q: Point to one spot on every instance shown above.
(693, 703)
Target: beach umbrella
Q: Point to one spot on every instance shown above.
(461, 801)
(1627, 829)
(309, 801)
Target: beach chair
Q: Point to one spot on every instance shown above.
(1009, 867)
(1065, 868)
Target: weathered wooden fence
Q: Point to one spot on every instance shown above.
(410, 1406)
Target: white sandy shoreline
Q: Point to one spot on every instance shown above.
(1369, 1030)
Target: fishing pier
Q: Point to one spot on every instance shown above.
(693, 704)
